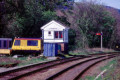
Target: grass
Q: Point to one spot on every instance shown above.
(78, 52)
(109, 70)
(103, 68)
(86, 52)
(7, 60)
(88, 78)
(5, 63)
(114, 72)
(64, 55)
(113, 62)
(27, 60)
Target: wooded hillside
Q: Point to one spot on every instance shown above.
(23, 18)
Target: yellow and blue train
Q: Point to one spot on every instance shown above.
(21, 45)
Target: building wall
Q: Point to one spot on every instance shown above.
(50, 49)
(53, 41)
(66, 35)
(54, 27)
(48, 36)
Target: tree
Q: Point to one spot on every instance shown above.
(88, 18)
(19, 13)
(115, 40)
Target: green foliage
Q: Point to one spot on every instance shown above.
(24, 18)
(71, 35)
(48, 16)
(113, 62)
(87, 19)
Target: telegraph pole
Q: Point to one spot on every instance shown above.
(101, 41)
(101, 34)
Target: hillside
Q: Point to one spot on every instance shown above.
(24, 19)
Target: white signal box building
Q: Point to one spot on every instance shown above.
(54, 32)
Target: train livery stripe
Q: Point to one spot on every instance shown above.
(27, 39)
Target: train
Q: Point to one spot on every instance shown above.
(25, 46)
(21, 46)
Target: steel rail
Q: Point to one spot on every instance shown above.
(90, 66)
(78, 64)
(27, 70)
(16, 73)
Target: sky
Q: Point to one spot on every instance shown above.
(112, 3)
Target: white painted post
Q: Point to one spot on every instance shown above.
(101, 41)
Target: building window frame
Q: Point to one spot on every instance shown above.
(49, 32)
(58, 34)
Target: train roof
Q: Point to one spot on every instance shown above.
(5, 38)
(28, 38)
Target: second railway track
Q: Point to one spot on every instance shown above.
(75, 72)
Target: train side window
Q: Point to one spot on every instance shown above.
(32, 43)
(5, 44)
(10, 43)
(17, 43)
(0, 44)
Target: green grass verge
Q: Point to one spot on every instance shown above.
(113, 62)
(26, 61)
(5, 63)
(78, 53)
(109, 70)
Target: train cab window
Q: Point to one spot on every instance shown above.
(0, 44)
(5, 44)
(32, 43)
(17, 43)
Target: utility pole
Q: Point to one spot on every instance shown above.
(101, 41)
(101, 34)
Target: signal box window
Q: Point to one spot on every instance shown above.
(17, 43)
(58, 34)
(5, 44)
(32, 43)
(49, 32)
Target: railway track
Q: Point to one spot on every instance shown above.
(20, 72)
(76, 71)
(24, 71)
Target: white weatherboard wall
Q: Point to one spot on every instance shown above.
(51, 27)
